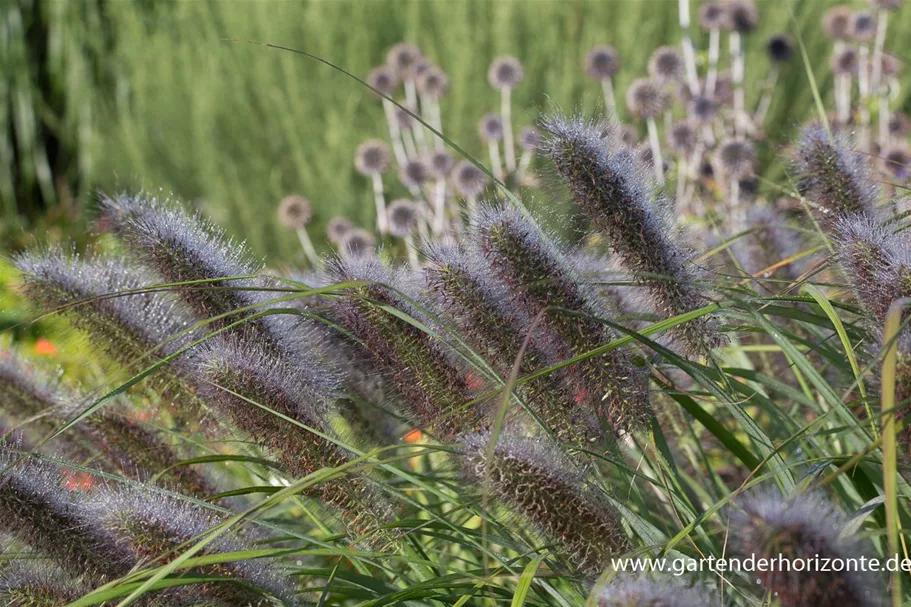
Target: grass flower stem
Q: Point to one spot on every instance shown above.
(307, 245)
(765, 102)
(495, 164)
(884, 138)
(689, 53)
(714, 51)
(509, 149)
(400, 157)
(655, 143)
(610, 99)
(382, 222)
(524, 163)
(737, 74)
(863, 87)
(439, 206)
(882, 22)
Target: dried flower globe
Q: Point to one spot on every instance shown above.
(742, 16)
(490, 127)
(863, 26)
(845, 61)
(505, 73)
(713, 15)
(372, 157)
(415, 173)
(602, 62)
(666, 63)
(468, 180)
(780, 48)
(336, 229)
(433, 83)
(403, 217)
(401, 57)
(529, 138)
(441, 163)
(383, 79)
(646, 98)
(836, 23)
(295, 212)
(357, 244)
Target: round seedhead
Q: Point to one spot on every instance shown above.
(295, 212)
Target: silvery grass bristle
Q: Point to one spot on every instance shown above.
(643, 592)
(434, 392)
(38, 509)
(157, 528)
(833, 176)
(482, 309)
(241, 376)
(38, 584)
(771, 243)
(803, 527)
(540, 279)
(607, 185)
(540, 484)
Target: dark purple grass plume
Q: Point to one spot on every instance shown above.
(608, 185)
(37, 584)
(633, 592)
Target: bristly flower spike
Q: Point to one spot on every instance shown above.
(540, 484)
(642, 592)
(33, 583)
(605, 184)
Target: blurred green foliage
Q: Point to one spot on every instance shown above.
(123, 95)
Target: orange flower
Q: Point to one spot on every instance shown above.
(44, 347)
(413, 436)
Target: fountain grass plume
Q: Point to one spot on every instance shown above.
(804, 527)
(41, 512)
(156, 528)
(541, 280)
(434, 392)
(540, 484)
(482, 309)
(605, 183)
(38, 584)
(772, 242)
(642, 592)
(833, 176)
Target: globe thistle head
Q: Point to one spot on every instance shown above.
(666, 63)
(295, 212)
(357, 244)
(336, 229)
(899, 125)
(836, 23)
(529, 138)
(642, 592)
(704, 108)
(415, 173)
(736, 158)
(896, 161)
(403, 119)
(505, 73)
(402, 57)
(602, 62)
(724, 88)
(468, 180)
(372, 157)
(742, 16)
(713, 15)
(490, 128)
(682, 137)
(845, 61)
(541, 485)
(419, 68)
(433, 83)
(780, 48)
(890, 65)
(646, 98)
(441, 163)
(383, 79)
(832, 176)
(618, 132)
(863, 26)
(804, 527)
(403, 217)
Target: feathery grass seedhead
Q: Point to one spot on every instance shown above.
(37, 584)
(836, 23)
(441, 163)
(666, 63)
(832, 176)
(384, 79)
(415, 173)
(703, 108)
(736, 158)
(712, 15)
(482, 309)
(682, 137)
(863, 26)
(433, 83)
(295, 212)
(529, 138)
(539, 483)
(539, 279)
(403, 217)
(372, 158)
(402, 57)
(646, 98)
(336, 229)
(157, 528)
(742, 16)
(642, 592)
(606, 185)
(38, 509)
(357, 244)
(602, 62)
(802, 528)
(490, 127)
(780, 48)
(505, 73)
(469, 180)
(845, 61)
(897, 161)
(25, 391)
(433, 391)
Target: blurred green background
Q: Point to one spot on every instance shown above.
(125, 95)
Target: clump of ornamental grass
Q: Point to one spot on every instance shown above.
(537, 481)
(483, 311)
(435, 393)
(642, 592)
(540, 280)
(605, 183)
(804, 527)
(157, 528)
(38, 584)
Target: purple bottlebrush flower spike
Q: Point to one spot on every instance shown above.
(434, 392)
(37, 584)
(636, 592)
(539, 278)
(605, 183)
(540, 484)
(804, 527)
